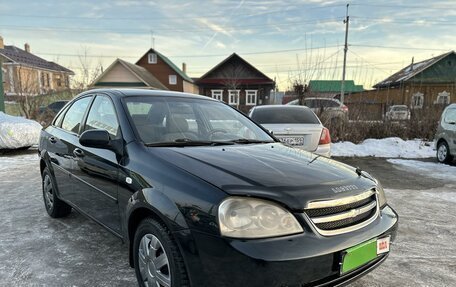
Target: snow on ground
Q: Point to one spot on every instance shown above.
(430, 169)
(22, 161)
(387, 147)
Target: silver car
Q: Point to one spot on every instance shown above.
(445, 138)
(397, 113)
(327, 109)
(296, 126)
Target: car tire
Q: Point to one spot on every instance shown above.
(443, 152)
(54, 206)
(153, 245)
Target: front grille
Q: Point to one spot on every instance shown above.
(338, 216)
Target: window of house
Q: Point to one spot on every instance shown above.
(250, 97)
(233, 97)
(417, 100)
(217, 94)
(42, 78)
(58, 80)
(152, 57)
(172, 79)
(443, 98)
(67, 81)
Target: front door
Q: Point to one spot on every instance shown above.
(96, 170)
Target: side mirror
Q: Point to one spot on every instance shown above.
(96, 139)
(271, 132)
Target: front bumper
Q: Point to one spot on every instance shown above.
(306, 259)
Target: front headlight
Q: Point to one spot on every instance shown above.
(241, 217)
(381, 195)
(380, 192)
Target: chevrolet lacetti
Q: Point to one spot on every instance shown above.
(203, 196)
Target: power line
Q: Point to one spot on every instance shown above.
(191, 56)
(143, 31)
(397, 47)
(139, 18)
(419, 21)
(404, 6)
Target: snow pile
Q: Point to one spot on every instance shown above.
(387, 147)
(431, 169)
(17, 132)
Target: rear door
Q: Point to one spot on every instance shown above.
(63, 136)
(95, 170)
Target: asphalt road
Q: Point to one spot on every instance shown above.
(36, 250)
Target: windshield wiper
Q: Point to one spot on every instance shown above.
(248, 141)
(187, 142)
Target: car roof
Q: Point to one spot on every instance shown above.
(144, 92)
(324, 99)
(264, 107)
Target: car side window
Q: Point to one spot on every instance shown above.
(58, 120)
(73, 117)
(309, 103)
(102, 116)
(450, 116)
(332, 104)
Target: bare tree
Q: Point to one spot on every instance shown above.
(27, 89)
(88, 71)
(232, 76)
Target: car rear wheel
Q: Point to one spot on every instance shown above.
(443, 153)
(157, 259)
(54, 206)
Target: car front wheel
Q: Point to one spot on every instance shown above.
(157, 259)
(443, 153)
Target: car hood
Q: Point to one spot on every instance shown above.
(274, 171)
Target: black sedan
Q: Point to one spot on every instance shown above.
(203, 196)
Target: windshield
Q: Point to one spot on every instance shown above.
(179, 121)
(284, 115)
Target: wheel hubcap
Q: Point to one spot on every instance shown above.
(153, 262)
(442, 152)
(47, 190)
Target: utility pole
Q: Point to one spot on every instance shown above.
(342, 86)
(2, 91)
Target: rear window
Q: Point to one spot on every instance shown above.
(285, 115)
(321, 103)
(400, 109)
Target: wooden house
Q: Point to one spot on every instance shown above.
(163, 69)
(27, 74)
(122, 74)
(236, 82)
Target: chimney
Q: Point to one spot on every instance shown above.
(411, 66)
(184, 68)
(27, 47)
(2, 46)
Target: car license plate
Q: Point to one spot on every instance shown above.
(363, 253)
(292, 140)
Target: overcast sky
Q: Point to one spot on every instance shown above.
(285, 39)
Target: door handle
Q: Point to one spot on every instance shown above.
(52, 140)
(78, 152)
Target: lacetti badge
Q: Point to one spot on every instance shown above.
(344, 188)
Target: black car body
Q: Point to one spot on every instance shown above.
(121, 181)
